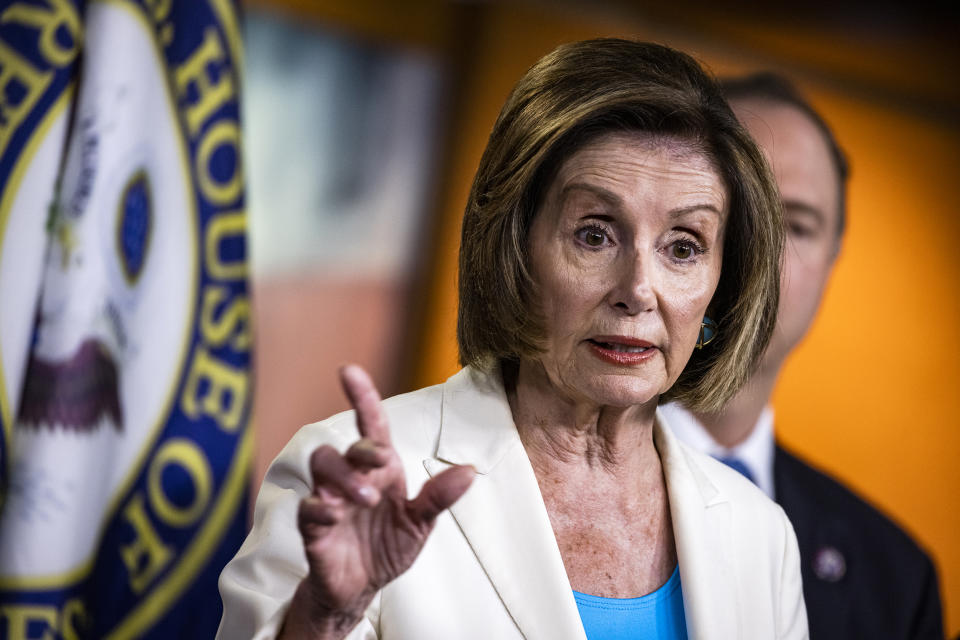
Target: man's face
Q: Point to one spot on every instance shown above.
(808, 184)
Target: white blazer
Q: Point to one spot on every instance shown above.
(491, 569)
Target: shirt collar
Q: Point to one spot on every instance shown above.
(756, 451)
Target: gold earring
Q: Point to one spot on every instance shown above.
(708, 331)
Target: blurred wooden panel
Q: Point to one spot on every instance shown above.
(418, 23)
(897, 52)
(890, 69)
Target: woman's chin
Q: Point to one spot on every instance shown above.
(584, 383)
(623, 393)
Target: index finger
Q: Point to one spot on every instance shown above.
(365, 399)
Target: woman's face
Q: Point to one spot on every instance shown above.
(626, 249)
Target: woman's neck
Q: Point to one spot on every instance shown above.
(560, 432)
(602, 485)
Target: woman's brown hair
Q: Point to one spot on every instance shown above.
(570, 96)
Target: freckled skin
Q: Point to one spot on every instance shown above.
(627, 242)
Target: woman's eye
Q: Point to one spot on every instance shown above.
(593, 236)
(682, 251)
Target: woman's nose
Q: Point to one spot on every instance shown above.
(633, 292)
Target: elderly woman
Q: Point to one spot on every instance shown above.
(617, 208)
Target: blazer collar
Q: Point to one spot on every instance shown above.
(503, 516)
(703, 533)
(504, 519)
(476, 425)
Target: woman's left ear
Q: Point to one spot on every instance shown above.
(708, 331)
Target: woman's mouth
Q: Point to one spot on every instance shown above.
(622, 350)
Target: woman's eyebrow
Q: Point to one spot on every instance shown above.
(703, 206)
(613, 199)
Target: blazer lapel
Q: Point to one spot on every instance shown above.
(703, 532)
(503, 516)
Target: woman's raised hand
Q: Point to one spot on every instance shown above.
(359, 530)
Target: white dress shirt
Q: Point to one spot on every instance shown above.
(756, 452)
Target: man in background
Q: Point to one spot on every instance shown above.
(863, 577)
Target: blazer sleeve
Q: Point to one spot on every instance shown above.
(792, 616)
(258, 584)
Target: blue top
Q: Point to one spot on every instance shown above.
(658, 615)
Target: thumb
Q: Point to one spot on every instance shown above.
(439, 493)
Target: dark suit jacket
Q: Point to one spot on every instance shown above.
(863, 577)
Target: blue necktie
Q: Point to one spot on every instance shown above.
(737, 465)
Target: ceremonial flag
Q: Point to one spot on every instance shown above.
(124, 311)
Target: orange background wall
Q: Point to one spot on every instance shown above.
(871, 395)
